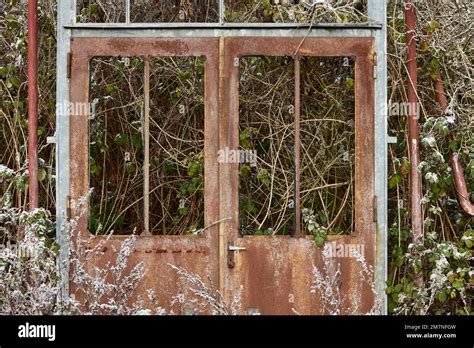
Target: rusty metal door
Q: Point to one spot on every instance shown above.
(265, 274)
(196, 254)
(274, 274)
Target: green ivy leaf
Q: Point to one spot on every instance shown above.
(13, 82)
(432, 26)
(471, 168)
(349, 83)
(468, 243)
(131, 168)
(137, 141)
(41, 174)
(121, 139)
(263, 176)
(394, 181)
(442, 297)
(320, 238)
(454, 145)
(458, 284)
(194, 169)
(245, 138)
(319, 241)
(110, 89)
(245, 170)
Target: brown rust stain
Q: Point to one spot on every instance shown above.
(174, 47)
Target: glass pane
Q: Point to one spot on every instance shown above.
(266, 145)
(327, 144)
(177, 145)
(116, 146)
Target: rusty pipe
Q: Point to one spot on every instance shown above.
(460, 184)
(439, 90)
(413, 126)
(458, 173)
(33, 184)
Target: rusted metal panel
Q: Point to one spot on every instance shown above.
(272, 269)
(275, 275)
(196, 254)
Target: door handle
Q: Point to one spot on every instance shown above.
(231, 250)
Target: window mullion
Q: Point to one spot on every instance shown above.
(127, 11)
(297, 114)
(146, 135)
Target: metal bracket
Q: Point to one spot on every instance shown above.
(51, 140)
(375, 212)
(236, 248)
(188, 311)
(375, 66)
(69, 61)
(68, 207)
(253, 311)
(392, 140)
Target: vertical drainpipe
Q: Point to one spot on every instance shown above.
(33, 184)
(413, 126)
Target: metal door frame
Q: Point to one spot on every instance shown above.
(287, 248)
(197, 254)
(68, 30)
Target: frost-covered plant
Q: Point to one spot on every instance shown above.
(201, 298)
(448, 278)
(442, 52)
(9, 224)
(28, 273)
(11, 181)
(316, 11)
(327, 281)
(109, 289)
(311, 225)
